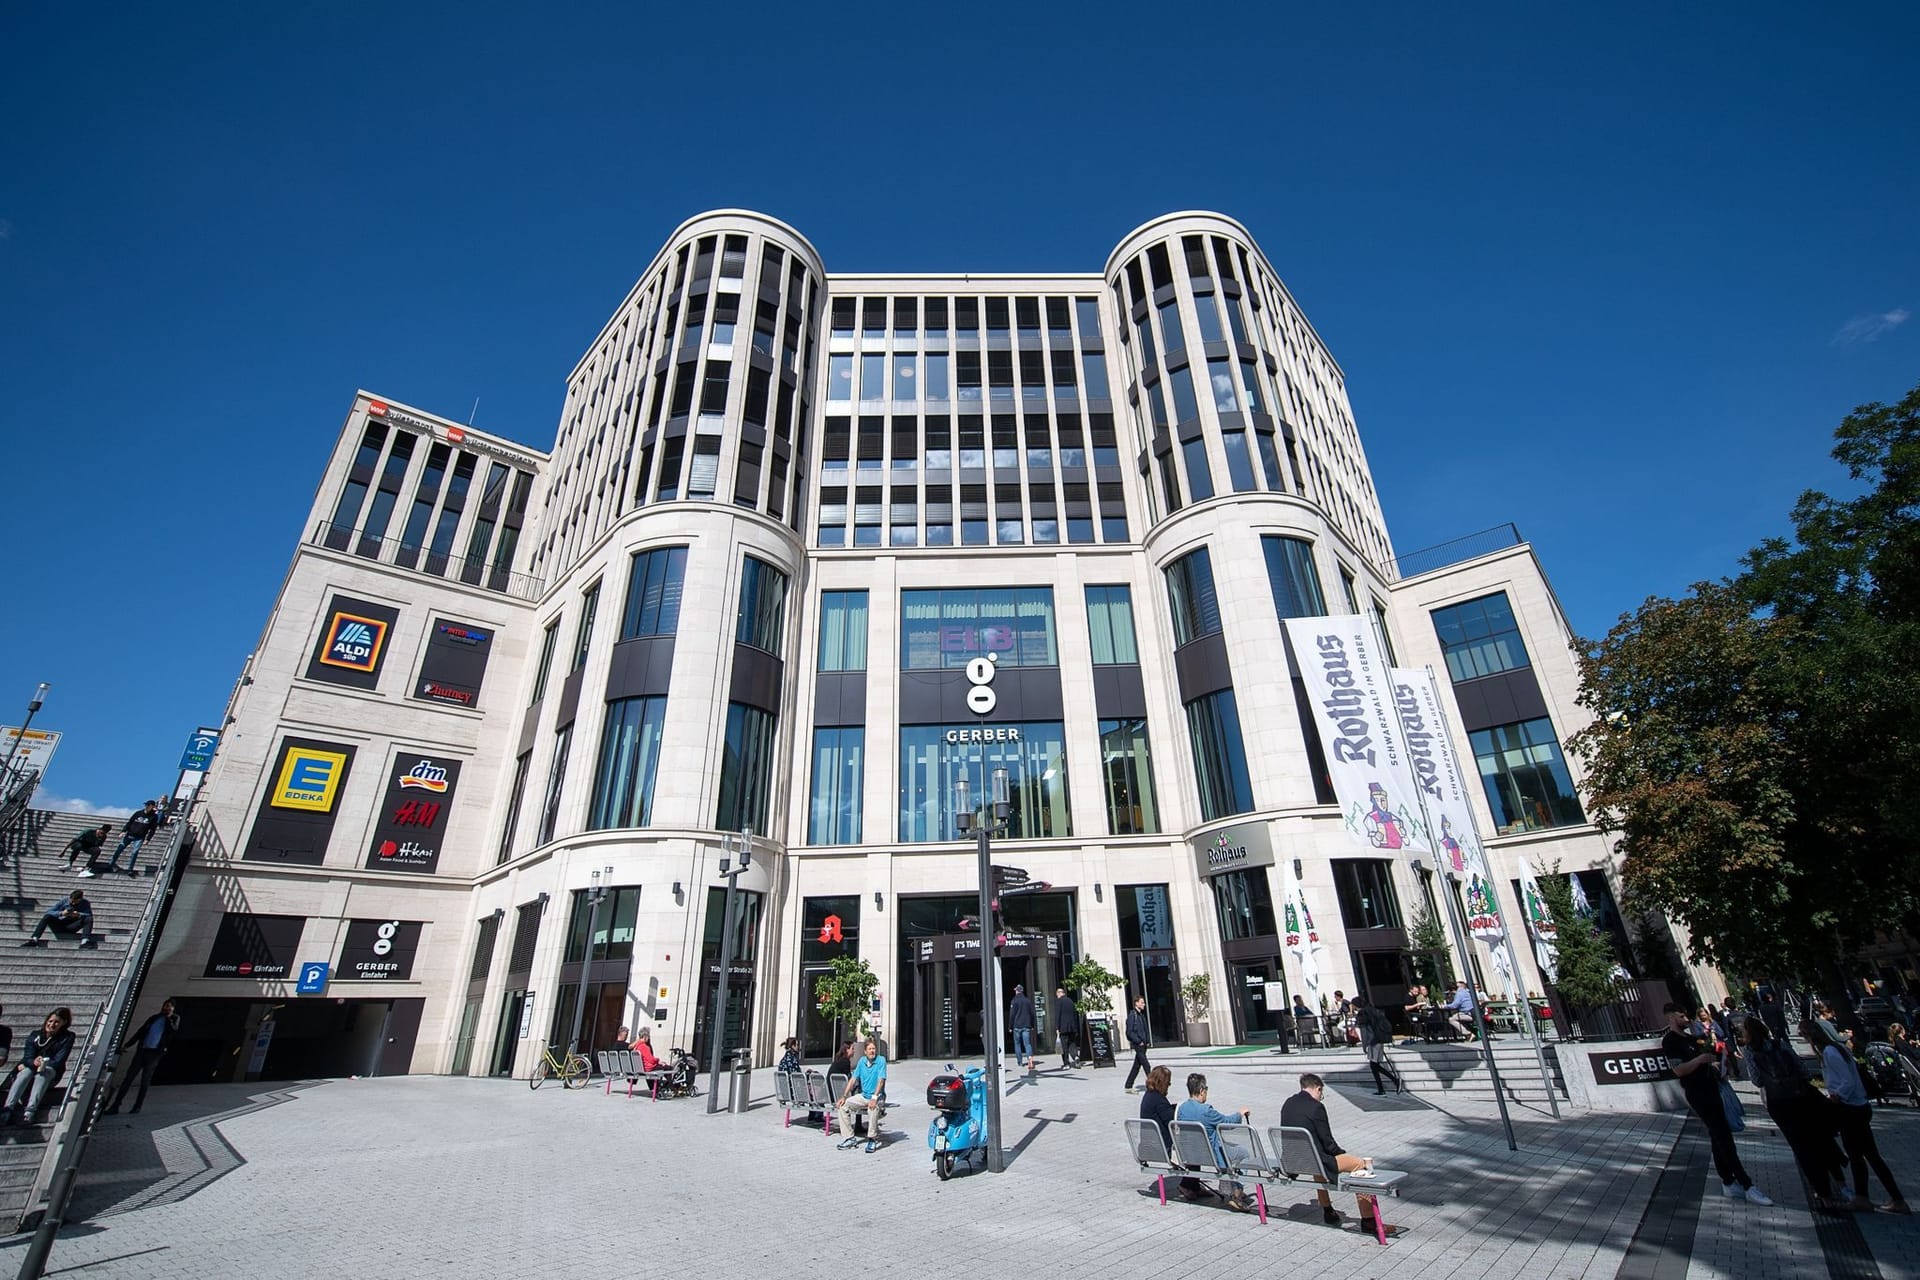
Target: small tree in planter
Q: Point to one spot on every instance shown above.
(1583, 958)
(1196, 992)
(1427, 948)
(846, 995)
(1089, 981)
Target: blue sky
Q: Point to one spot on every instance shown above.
(1612, 274)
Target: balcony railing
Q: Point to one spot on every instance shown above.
(1458, 551)
(472, 570)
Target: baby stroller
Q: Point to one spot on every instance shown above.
(681, 1070)
(1891, 1076)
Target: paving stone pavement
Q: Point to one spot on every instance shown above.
(439, 1176)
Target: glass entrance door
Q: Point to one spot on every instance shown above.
(1257, 1018)
(506, 1045)
(1156, 975)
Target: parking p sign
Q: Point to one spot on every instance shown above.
(313, 978)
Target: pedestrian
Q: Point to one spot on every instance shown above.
(1020, 1022)
(74, 918)
(1376, 1034)
(1138, 1041)
(1066, 1025)
(150, 1044)
(1308, 1110)
(1773, 1015)
(1797, 1107)
(623, 1039)
(1156, 1106)
(1854, 1117)
(41, 1064)
(135, 833)
(842, 1062)
(864, 1089)
(1197, 1110)
(89, 842)
(1692, 1058)
(789, 1057)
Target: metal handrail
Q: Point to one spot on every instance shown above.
(86, 1087)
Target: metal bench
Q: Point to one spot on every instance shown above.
(625, 1062)
(1299, 1158)
(819, 1097)
(789, 1091)
(1193, 1149)
(1149, 1147)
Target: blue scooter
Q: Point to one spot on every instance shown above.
(959, 1125)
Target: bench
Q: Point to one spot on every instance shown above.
(1298, 1158)
(625, 1062)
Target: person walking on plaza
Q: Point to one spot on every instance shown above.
(1692, 1058)
(138, 828)
(41, 1063)
(1308, 1110)
(1376, 1034)
(149, 1044)
(1066, 1025)
(1020, 1022)
(864, 1087)
(1796, 1106)
(1196, 1109)
(1138, 1041)
(74, 917)
(89, 842)
(1854, 1116)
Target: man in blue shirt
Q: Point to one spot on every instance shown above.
(1197, 1109)
(864, 1089)
(1461, 1008)
(150, 1045)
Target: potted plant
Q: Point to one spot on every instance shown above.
(1194, 993)
(846, 994)
(1090, 981)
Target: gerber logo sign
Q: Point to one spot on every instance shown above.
(1639, 1066)
(981, 700)
(1233, 849)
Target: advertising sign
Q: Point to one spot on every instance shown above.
(1631, 1066)
(414, 813)
(304, 783)
(250, 946)
(1232, 848)
(379, 950)
(352, 643)
(198, 757)
(35, 751)
(455, 663)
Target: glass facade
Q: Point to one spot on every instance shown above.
(1196, 609)
(1128, 773)
(746, 770)
(1292, 576)
(947, 628)
(1219, 756)
(1243, 903)
(653, 593)
(1110, 624)
(763, 606)
(1480, 637)
(629, 758)
(1036, 765)
(843, 631)
(839, 769)
(1364, 889)
(1528, 786)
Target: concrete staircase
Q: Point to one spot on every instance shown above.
(1435, 1072)
(33, 877)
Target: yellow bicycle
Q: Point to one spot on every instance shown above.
(573, 1070)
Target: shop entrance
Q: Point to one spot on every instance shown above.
(238, 1040)
(947, 999)
(1260, 1000)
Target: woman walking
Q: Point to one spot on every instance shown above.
(1848, 1097)
(1797, 1107)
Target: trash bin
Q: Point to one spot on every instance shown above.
(740, 1082)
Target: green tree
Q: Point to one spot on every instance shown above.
(1427, 945)
(846, 995)
(1583, 959)
(1090, 981)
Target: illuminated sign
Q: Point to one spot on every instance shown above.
(354, 642)
(309, 779)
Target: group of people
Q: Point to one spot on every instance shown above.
(1432, 1017)
(1066, 1027)
(641, 1046)
(146, 820)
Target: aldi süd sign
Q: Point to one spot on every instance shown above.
(352, 644)
(414, 813)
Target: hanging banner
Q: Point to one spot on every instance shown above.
(1302, 939)
(1436, 767)
(1350, 699)
(1539, 923)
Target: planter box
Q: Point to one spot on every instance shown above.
(1198, 1036)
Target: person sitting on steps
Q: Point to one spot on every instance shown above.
(74, 918)
(41, 1064)
(90, 843)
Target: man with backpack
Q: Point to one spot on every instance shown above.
(1376, 1033)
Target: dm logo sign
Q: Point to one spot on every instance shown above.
(309, 779)
(354, 643)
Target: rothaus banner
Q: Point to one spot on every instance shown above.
(1350, 696)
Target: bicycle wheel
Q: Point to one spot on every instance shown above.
(579, 1070)
(539, 1076)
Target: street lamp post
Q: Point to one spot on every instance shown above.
(721, 989)
(33, 706)
(595, 896)
(989, 997)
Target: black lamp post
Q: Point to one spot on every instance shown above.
(595, 896)
(33, 706)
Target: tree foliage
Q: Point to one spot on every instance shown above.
(846, 993)
(1090, 981)
(1427, 945)
(1754, 741)
(1583, 959)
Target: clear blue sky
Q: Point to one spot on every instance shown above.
(1610, 273)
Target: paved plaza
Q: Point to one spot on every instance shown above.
(427, 1175)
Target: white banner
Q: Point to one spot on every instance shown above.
(1302, 939)
(1539, 922)
(1437, 768)
(1350, 697)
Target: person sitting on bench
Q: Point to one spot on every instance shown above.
(74, 917)
(643, 1046)
(1305, 1110)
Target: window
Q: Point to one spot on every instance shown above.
(1219, 755)
(946, 628)
(1036, 765)
(1093, 375)
(1185, 407)
(1364, 887)
(843, 631)
(746, 769)
(839, 768)
(873, 377)
(839, 377)
(1243, 901)
(1380, 626)
(612, 937)
(653, 593)
(583, 638)
(629, 757)
(763, 606)
(1220, 381)
(1480, 637)
(1528, 787)
(1172, 338)
(1196, 610)
(1239, 464)
(1110, 620)
(556, 778)
(540, 673)
(1128, 773)
(514, 800)
(1199, 478)
(1292, 576)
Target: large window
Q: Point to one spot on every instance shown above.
(1219, 755)
(1480, 637)
(1036, 765)
(746, 770)
(548, 642)
(1196, 610)
(1293, 577)
(1526, 777)
(1243, 901)
(613, 932)
(843, 631)
(1110, 621)
(629, 758)
(947, 628)
(583, 638)
(1128, 772)
(653, 593)
(1364, 887)
(839, 768)
(556, 779)
(515, 798)
(763, 606)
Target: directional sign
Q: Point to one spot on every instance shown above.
(313, 978)
(198, 757)
(1009, 875)
(1031, 886)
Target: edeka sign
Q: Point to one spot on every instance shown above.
(352, 644)
(1233, 848)
(1640, 1066)
(414, 813)
(294, 822)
